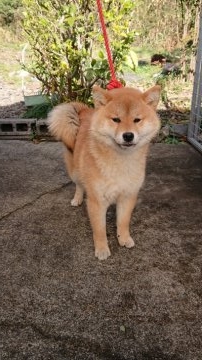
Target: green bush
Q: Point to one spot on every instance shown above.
(9, 11)
(67, 47)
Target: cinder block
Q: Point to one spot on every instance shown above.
(179, 129)
(42, 127)
(17, 127)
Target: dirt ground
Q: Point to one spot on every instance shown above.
(59, 302)
(11, 100)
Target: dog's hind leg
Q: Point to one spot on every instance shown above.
(69, 161)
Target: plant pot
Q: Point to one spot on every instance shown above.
(32, 100)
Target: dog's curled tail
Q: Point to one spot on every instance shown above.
(64, 122)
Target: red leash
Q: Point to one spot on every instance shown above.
(114, 83)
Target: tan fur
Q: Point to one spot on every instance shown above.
(64, 122)
(106, 157)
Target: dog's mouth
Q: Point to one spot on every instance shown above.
(126, 145)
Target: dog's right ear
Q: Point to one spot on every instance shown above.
(100, 96)
(152, 96)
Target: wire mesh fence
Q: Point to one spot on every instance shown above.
(195, 125)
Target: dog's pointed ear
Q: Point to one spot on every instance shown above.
(100, 96)
(152, 96)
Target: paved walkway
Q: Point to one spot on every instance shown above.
(58, 302)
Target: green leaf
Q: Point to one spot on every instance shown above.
(131, 60)
(93, 62)
(101, 54)
(70, 21)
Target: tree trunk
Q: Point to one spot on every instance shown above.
(194, 46)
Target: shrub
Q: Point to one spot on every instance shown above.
(67, 47)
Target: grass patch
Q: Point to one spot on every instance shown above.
(148, 73)
(143, 53)
(11, 48)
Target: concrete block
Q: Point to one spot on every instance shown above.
(179, 129)
(42, 127)
(16, 127)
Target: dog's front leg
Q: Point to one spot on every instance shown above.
(78, 196)
(97, 214)
(124, 208)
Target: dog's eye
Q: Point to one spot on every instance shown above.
(116, 119)
(136, 120)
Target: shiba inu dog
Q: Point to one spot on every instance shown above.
(105, 153)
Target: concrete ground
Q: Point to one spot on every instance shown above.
(58, 302)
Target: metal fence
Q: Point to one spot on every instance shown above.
(195, 125)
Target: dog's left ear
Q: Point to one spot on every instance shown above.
(152, 96)
(100, 96)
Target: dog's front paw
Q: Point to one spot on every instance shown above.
(102, 253)
(127, 242)
(76, 201)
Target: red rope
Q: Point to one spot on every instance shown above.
(114, 83)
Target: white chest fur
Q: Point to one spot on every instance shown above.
(120, 174)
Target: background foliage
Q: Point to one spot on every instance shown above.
(10, 11)
(66, 46)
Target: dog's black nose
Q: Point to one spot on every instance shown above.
(128, 136)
